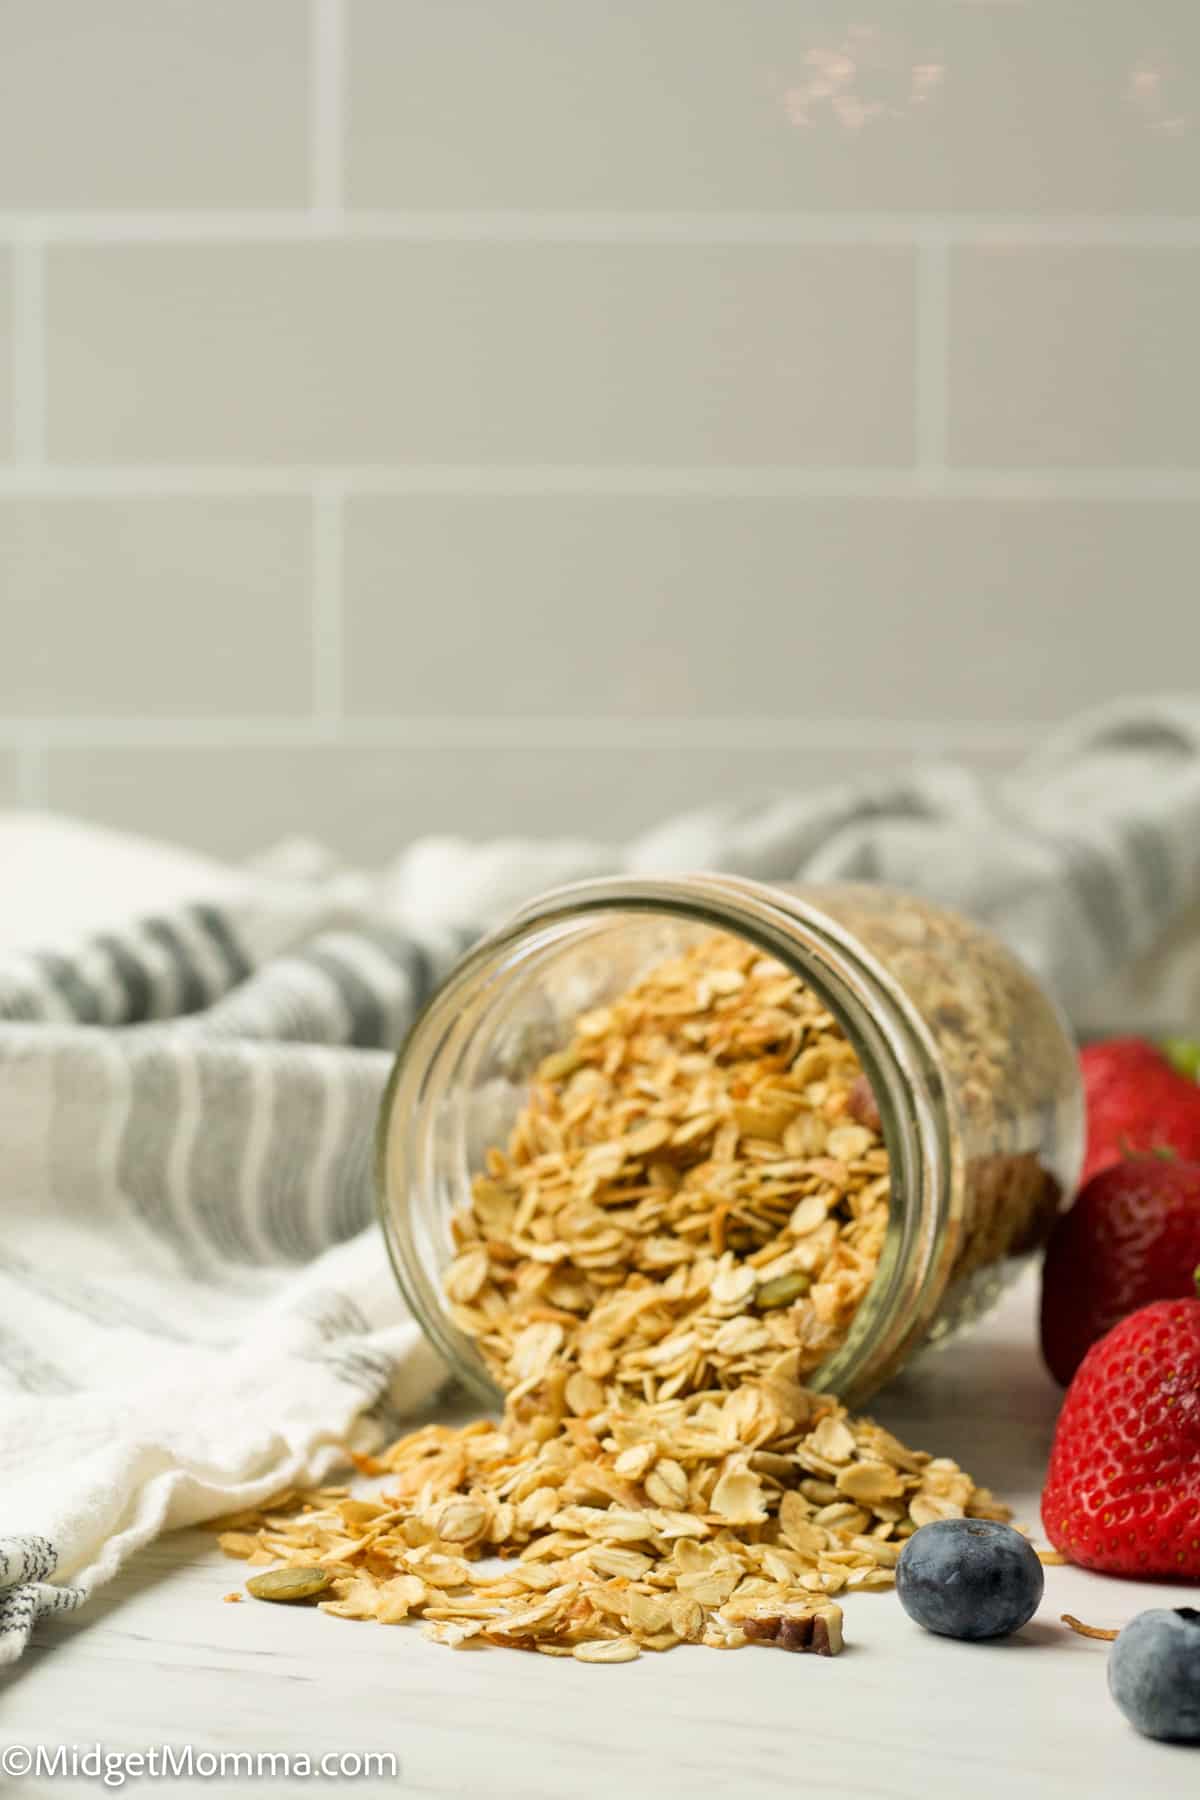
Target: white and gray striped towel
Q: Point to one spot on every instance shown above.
(194, 1307)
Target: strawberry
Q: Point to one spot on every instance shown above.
(1132, 1236)
(1136, 1100)
(1123, 1487)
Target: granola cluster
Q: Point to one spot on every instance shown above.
(689, 1210)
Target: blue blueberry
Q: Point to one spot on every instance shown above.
(1154, 1673)
(969, 1578)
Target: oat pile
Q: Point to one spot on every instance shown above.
(723, 1518)
(686, 1216)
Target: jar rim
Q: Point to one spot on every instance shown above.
(898, 1056)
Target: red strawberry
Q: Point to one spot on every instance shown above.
(1123, 1487)
(1132, 1236)
(1136, 1100)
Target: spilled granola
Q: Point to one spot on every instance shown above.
(687, 1214)
(722, 1518)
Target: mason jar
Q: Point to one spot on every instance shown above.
(972, 1071)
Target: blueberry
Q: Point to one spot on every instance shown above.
(969, 1578)
(1154, 1673)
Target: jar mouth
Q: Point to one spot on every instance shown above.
(421, 1166)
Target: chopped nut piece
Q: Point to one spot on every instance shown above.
(819, 1632)
(861, 1104)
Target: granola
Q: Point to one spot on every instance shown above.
(723, 1518)
(689, 1210)
(688, 1193)
(1007, 1062)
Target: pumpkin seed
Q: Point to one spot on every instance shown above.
(289, 1584)
(782, 1291)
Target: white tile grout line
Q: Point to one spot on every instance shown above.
(158, 481)
(29, 357)
(327, 220)
(931, 373)
(327, 136)
(928, 738)
(327, 603)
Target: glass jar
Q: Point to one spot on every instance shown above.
(973, 1074)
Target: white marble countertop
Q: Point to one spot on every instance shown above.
(157, 1658)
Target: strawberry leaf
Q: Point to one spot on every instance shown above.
(1184, 1054)
(1151, 1153)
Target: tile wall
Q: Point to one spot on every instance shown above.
(540, 415)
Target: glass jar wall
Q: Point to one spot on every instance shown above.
(971, 1071)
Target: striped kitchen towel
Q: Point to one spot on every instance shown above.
(194, 1307)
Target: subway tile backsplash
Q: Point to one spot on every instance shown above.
(156, 607)
(154, 103)
(825, 607)
(481, 353)
(501, 416)
(1075, 357)
(774, 105)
